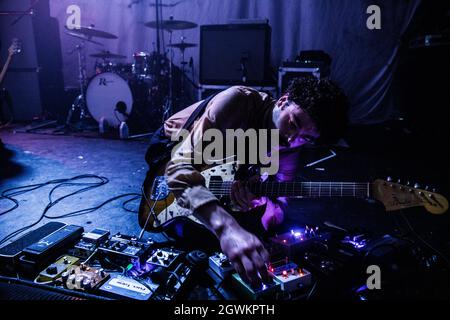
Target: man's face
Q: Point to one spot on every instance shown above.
(295, 125)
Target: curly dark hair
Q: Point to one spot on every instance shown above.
(325, 103)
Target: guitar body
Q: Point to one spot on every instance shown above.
(158, 205)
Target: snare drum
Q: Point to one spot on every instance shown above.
(110, 97)
(141, 64)
(104, 66)
(123, 69)
(150, 65)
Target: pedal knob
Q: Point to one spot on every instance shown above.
(87, 284)
(64, 276)
(198, 259)
(52, 270)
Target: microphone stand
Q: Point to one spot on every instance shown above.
(30, 12)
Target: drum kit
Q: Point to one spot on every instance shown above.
(138, 94)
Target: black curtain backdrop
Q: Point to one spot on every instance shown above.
(364, 60)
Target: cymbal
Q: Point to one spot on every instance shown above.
(79, 36)
(172, 24)
(92, 32)
(107, 55)
(182, 45)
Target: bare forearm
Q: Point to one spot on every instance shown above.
(215, 218)
(5, 68)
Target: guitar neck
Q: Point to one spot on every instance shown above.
(301, 189)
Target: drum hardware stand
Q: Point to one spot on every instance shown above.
(184, 77)
(168, 106)
(183, 64)
(80, 101)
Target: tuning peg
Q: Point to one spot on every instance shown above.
(388, 179)
(434, 190)
(416, 185)
(427, 187)
(399, 181)
(408, 183)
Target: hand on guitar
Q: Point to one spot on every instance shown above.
(242, 197)
(243, 249)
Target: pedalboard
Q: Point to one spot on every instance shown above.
(123, 249)
(221, 265)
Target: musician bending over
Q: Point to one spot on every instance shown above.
(312, 111)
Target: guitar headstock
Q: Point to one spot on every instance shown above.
(16, 47)
(396, 196)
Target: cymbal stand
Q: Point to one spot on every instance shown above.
(80, 100)
(168, 106)
(183, 64)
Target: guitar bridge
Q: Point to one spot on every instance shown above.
(160, 190)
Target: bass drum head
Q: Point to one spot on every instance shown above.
(107, 92)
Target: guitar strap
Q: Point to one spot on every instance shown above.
(160, 147)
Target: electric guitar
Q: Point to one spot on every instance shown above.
(15, 48)
(158, 205)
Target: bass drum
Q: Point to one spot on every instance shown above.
(110, 97)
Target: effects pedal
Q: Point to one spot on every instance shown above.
(10, 254)
(123, 249)
(220, 264)
(41, 253)
(123, 287)
(54, 271)
(293, 243)
(265, 291)
(89, 242)
(83, 277)
(293, 278)
(178, 282)
(164, 257)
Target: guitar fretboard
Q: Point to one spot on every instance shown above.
(299, 189)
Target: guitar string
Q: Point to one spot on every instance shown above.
(311, 189)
